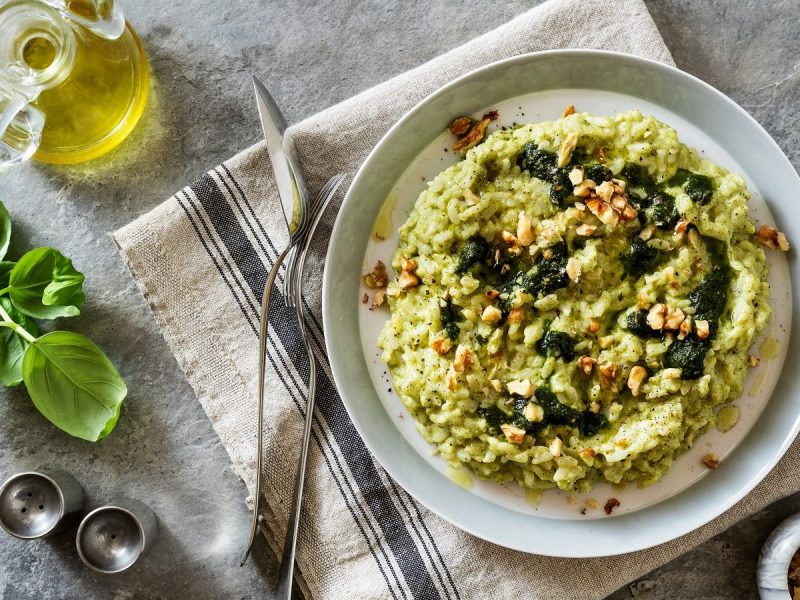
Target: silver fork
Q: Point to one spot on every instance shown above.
(290, 278)
(312, 215)
(291, 275)
(286, 573)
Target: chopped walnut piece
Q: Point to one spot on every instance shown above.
(442, 345)
(451, 379)
(611, 505)
(772, 238)
(594, 325)
(674, 318)
(606, 341)
(605, 190)
(594, 407)
(570, 110)
(608, 372)
(491, 315)
(703, 328)
(685, 328)
(587, 455)
(646, 233)
(619, 185)
(464, 358)
(475, 134)
(378, 278)
(636, 378)
(618, 203)
(584, 188)
(603, 211)
(379, 298)
(576, 175)
(566, 148)
(460, 126)
(508, 237)
(515, 315)
(679, 231)
(513, 434)
(547, 253)
(555, 446)
(656, 315)
(600, 155)
(585, 230)
(471, 197)
(520, 387)
(408, 279)
(533, 412)
(524, 230)
(573, 269)
(753, 361)
(711, 460)
(586, 364)
(629, 213)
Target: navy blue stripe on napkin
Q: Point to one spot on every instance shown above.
(254, 273)
(226, 271)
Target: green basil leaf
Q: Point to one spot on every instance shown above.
(5, 230)
(5, 272)
(12, 346)
(44, 284)
(73, 384)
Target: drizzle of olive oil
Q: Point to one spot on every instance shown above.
(383, 222)
(762, 375)
(770, 348)
(100, 100)
(533, 497)
(460, 476)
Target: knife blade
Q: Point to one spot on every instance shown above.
(291, 183)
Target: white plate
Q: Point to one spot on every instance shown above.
(522, 90)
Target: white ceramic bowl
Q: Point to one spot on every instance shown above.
(530, 88)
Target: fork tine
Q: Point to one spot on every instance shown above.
(290, 282)
(288, 277)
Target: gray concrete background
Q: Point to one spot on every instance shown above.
(164, 450)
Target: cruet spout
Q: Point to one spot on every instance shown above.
(102, 17)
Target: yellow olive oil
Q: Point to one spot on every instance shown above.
(99, 102)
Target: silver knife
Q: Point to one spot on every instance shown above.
(294, 198)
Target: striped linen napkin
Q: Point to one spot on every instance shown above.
(201, 260)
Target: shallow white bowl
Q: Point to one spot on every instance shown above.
(531, 88)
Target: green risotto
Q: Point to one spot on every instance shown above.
(574, 300)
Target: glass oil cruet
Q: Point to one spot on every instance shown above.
(73, 79)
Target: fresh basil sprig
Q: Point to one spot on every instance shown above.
(70, 380)
(43, 284)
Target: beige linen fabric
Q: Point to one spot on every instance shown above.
(200, 259)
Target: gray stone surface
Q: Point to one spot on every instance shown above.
(164, 450)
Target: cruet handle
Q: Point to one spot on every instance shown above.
(101, 17)
(20, 128)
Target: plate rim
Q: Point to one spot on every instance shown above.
(380, 452)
